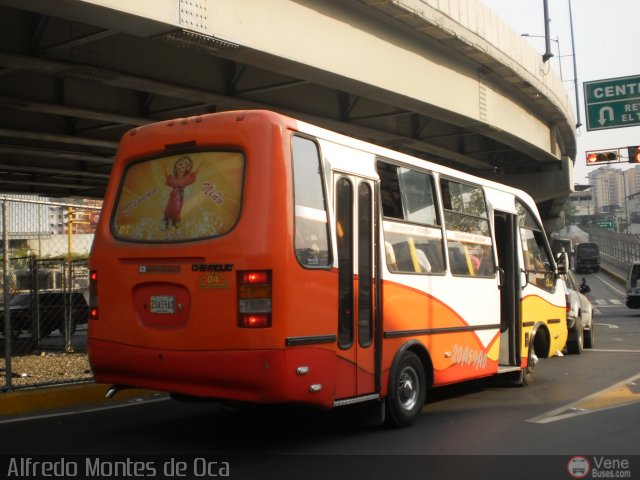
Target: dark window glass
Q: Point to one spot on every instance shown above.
(344, 235)
(365, 273)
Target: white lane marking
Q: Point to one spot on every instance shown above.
(610, 325)
(612, 286)
(612, 350)
(574, 409)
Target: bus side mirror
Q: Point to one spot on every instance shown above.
(563, 262)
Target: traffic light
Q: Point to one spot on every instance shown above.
(603, 156)
(634, 154)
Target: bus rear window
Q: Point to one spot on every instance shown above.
(180, 197)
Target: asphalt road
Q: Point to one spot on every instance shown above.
(587, 405)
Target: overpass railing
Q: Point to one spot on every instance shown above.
(620, 248)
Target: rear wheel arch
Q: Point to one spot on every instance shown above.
(540, 341)
(423, 354)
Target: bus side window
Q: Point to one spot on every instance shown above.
(412, 231)
(536, 255)
(469, 241)
(311, 240)
(457, 259)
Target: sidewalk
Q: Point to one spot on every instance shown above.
(60, 397)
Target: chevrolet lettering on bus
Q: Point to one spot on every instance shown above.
(214, 267)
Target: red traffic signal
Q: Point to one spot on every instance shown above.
(603, 156)
(634, 154)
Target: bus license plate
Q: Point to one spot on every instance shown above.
(163, 304)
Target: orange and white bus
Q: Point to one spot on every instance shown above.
(248, 256)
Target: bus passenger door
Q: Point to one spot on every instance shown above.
(355, 217)
(506, 235)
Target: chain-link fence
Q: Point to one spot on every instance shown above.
(45, 290)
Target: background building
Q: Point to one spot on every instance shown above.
(608, 190)
(632, 180)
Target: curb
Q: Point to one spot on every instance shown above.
(613, 274)
(47, 399)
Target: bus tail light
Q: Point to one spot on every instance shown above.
(254, 299)
(93, 295)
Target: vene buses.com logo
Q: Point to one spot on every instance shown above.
(578, 467)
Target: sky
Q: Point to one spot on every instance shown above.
(605, 34)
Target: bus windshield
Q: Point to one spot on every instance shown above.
(181, 197)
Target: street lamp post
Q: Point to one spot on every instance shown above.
(547, 54)
(626, 210)
(575, 69)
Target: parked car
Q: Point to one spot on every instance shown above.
(587, 257)
(633, 291)
(51, 309)
(579, 314)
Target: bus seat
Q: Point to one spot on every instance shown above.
(390, 257)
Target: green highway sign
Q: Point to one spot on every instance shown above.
(612, 103)
(605, 223)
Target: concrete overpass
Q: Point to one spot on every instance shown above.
(454, 85)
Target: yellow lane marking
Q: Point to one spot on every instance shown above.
(623, 393)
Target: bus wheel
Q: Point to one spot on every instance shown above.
(407, 390)
(528, 373)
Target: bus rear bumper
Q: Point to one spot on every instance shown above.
(259, 376)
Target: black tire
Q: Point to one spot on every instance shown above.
(589, 336)
(407, 390)
(521, 378)
(575, 344)
(528, 374)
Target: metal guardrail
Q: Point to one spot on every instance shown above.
(623, 248)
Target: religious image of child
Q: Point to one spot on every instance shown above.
(182, 176)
